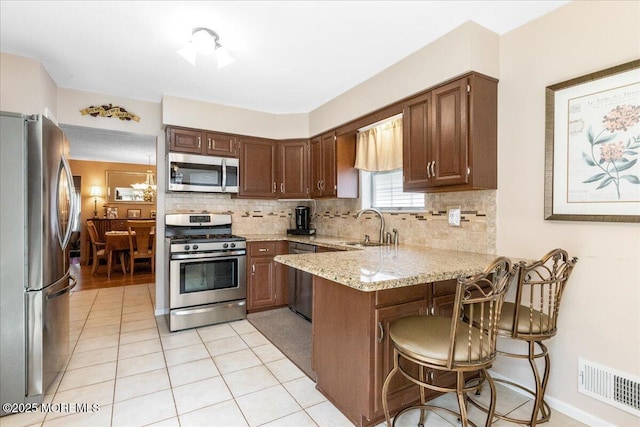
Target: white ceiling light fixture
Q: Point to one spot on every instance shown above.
(204, 42)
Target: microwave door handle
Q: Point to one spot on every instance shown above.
(224, 175)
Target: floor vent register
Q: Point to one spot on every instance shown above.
(609, 385)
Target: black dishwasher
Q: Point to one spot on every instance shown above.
(300, 283)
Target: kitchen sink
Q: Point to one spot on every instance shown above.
(362, 244)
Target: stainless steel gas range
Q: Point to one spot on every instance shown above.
(206, 270)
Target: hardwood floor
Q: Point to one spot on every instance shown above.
(142, 275)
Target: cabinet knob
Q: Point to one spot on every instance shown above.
(282, 187)
(263, 250)
(199, 142)
(381, 337)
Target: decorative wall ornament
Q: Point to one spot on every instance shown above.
(109, 111)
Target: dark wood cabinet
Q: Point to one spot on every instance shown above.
(195, 141)
(293, 167)
(185, 140)
(352, 363)
(443, 299)
(450, 136)
(316, 167)
(220, 144)
(415, 143)
(258, 173)
(332, 171)
(401, 390)
(266, 279)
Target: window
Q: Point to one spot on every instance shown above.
(385, 189)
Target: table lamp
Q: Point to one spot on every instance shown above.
(96, 192)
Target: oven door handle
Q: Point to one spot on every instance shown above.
(207, 255)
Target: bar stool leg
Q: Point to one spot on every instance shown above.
(492, 405)
(423, 397)
(462, 404)
(541, 386)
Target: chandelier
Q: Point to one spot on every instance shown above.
(145, 190)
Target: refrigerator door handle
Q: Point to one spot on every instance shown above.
(73, 281)
(72, 204)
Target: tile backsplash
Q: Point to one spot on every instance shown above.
(337, 217)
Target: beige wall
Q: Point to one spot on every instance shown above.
(205, 115)
(70, 102)
(25, 86)
(468, 47)
(93, 173)
(600, 316)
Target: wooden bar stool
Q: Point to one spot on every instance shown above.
(448, 344)
(533, 318)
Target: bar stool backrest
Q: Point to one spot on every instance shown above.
(482, 297)
(538, 295)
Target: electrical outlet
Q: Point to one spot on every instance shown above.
(454, 216)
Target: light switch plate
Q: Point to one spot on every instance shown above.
(454, 216)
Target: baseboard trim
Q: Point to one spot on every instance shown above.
(560, 406)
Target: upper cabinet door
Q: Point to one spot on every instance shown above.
(317, 167)
(185, 140)
(258, 168)
(328, 183)
(220, 144)
(415, 143)
(450, 137)
(449, 144)
(294, 169)
(194, 141)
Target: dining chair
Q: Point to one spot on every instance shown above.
(141, 242)
(98, 247)
(533, 318)
(439, 344)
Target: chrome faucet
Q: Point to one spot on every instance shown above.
(376, 211)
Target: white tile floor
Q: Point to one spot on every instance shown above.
(127, 363)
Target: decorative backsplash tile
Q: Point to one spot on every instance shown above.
(337, 217)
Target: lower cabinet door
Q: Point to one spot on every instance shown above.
(261, 282)
(401, 390)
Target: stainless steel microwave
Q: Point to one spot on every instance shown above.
(204, 174)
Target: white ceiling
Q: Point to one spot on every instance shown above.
(291, 56)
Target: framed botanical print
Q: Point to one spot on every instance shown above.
(592, 147)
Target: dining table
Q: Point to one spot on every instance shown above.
(118, 241)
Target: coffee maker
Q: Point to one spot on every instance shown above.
(303, 222)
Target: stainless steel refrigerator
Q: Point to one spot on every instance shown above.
(36, 207)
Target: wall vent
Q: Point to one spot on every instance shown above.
(610, 386)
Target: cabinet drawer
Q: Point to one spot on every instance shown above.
(262, 248)
(401, 295)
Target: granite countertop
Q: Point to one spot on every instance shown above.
(380, 267)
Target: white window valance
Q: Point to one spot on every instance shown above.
(379, 148)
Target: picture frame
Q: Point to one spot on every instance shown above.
(112, 212)
(592, 147)
(134, 213)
